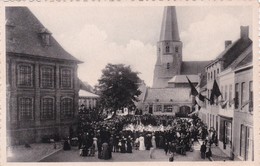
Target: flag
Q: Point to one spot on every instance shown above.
(194, 91)
(223, 104)
(193, 112)
(245, 103)
(215, 92)
(200, 100)
(196, 103)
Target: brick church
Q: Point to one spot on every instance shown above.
(170, 93)
(42, 83)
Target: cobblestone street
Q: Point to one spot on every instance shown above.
(136, 156)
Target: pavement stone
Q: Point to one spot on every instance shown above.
(136, 156)
(35, 153)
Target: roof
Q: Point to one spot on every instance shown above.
(183, 79)
(203, 79)
(167, 94)
(246, 61)
(23, 36)
(242, 58)
(84, 93)
(193, 67)
(169, 29)
(85, 86)
(233, 51)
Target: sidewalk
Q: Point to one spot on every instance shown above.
(217, 154)
(35, 153)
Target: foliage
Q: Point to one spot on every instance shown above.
(118, 87)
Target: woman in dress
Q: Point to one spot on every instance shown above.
(153, 142)
(95, 143)
(129, 146)
(141, 143)
(105, 151)
(123, 145)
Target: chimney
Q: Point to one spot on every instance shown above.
(244, 32)
(227, 43)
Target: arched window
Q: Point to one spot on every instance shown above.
(66, 78)
(25, 107)
(47, 108)
(176, 49)
(167, 49)
(25, 75)
(168, 66)
(47, 77)
(67, 108)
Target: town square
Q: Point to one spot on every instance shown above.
(129, 84)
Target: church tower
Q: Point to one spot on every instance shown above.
(169, 50)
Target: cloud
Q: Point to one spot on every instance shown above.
(91, 46)
(204, 40)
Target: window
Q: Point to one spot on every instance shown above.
(176, 49)
(47, 77)
(66, 78)
(25, 106)
(168, 66)
(167, 108)
(167, 49)
(211, 75)
(158, 108)
(159, 49)
(208, 76)
(251, 100)
(25, 75)
(47, 109)
(243, 93)
(214, 74)
(66, 108)
(217, 71)
(230, 94)
(236, 96)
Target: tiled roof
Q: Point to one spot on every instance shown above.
(84, 93)
(168, 95)
(240, 60)
(23, 36)
(193, 67)
(183, 79)
(246, 61)
(233, 51)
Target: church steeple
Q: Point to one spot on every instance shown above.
(169, 50)
(169, 29)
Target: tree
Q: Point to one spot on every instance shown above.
(118, 87)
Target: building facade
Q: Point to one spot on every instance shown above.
(87, 100)
(243, 112)
(223, 115)
(42, 82)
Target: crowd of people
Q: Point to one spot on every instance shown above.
(105, 137)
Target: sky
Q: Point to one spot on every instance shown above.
(101, 35)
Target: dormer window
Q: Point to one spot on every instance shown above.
(45, 37)
(9, 23)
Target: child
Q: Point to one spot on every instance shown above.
(171, 159)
